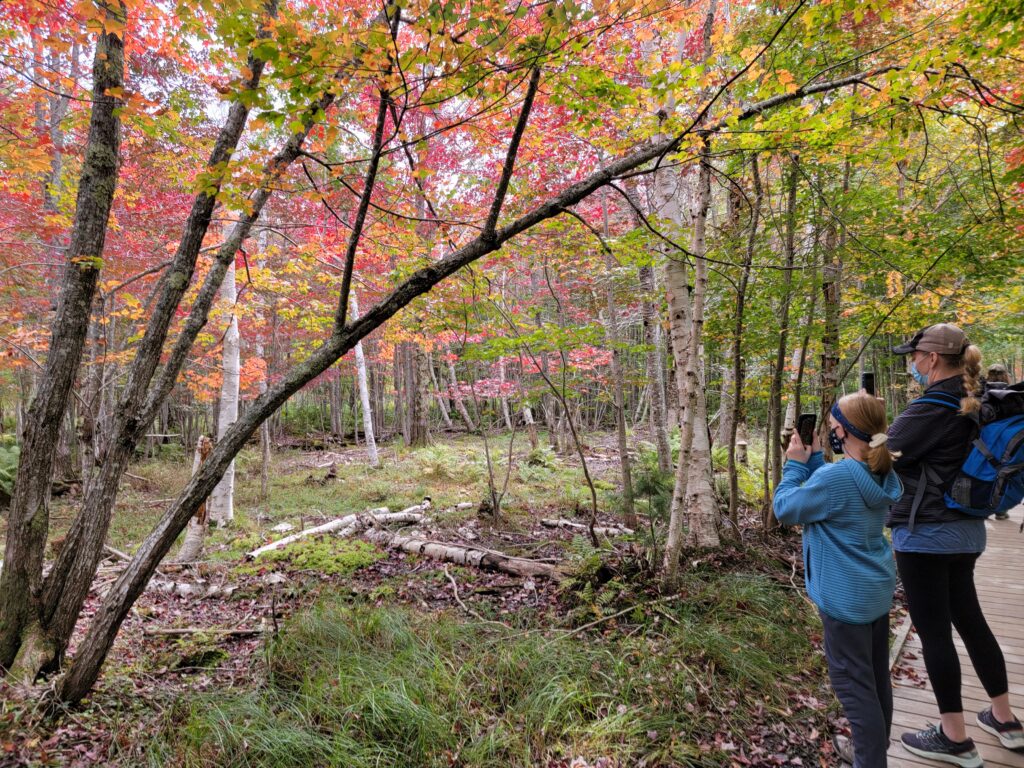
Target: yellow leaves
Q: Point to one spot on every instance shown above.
(893, 284)
(787, 81)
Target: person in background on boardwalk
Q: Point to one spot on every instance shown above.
(848, 561)
(996, 377)
(937, 547)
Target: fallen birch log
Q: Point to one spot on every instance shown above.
(463, 555)
(412, 514)
(349, 525)
(600, 530)
(333, 525)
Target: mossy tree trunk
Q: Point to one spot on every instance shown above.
(21, 580)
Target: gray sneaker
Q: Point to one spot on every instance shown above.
(1010, 735)
(844, 748)
(935, 745)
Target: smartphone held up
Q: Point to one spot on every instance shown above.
(805, 427)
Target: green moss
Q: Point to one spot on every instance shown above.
(328, 555)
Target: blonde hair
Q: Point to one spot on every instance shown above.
(970, 361)
(867, 414)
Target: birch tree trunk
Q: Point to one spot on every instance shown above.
(442, 401)
(222, 500)
(701, 505)
(505, 412)
(364, 392)
(685, 322)
(658, 413)
(195, 534)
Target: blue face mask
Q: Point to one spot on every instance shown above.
(920, 378)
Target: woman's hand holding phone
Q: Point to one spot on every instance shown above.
(797, 451)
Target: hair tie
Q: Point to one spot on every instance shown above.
(877, 439)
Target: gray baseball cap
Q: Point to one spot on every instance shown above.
(944, 338)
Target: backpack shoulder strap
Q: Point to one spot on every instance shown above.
(945, 399)
(927, 473)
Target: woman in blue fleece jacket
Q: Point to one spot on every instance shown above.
(848, 562)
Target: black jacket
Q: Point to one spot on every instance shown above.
(938, 436)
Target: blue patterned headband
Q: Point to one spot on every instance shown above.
(838, 416)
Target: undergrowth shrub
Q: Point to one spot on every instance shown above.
(446, 462)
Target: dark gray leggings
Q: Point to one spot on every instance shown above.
(858, 666)
(941, 595)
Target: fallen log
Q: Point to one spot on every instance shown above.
(413, 514)
(600, 530)
(178, 631)
(333, 525)
(487, 560)
(349, 525)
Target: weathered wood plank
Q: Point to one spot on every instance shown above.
(1000, 581)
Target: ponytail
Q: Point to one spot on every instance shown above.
(867, 414)
(970, 361)
(880, 458)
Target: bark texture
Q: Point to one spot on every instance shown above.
(21, 580)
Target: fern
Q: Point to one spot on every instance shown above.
(8, 467)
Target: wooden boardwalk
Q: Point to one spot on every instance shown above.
(1000, 581)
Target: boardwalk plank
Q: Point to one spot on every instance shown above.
(1000, 581)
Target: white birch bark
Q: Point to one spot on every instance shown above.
(195, 535)
(505, 413)
(693, 508)
(364, 392)
(222, 500)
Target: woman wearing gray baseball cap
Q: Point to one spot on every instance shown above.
(937, 547)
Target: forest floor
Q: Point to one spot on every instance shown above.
(360, 656)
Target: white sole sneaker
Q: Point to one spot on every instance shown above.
(966, 761)
(1013, 740)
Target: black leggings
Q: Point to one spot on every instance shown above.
(941, 595)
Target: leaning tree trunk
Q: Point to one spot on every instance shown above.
(222, 500)
(442, 399)
(67, 585)
(460, 404)
(28, 519)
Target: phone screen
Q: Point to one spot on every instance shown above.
(867, 382)
(805, 427)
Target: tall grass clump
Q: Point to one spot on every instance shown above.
(363, 686)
